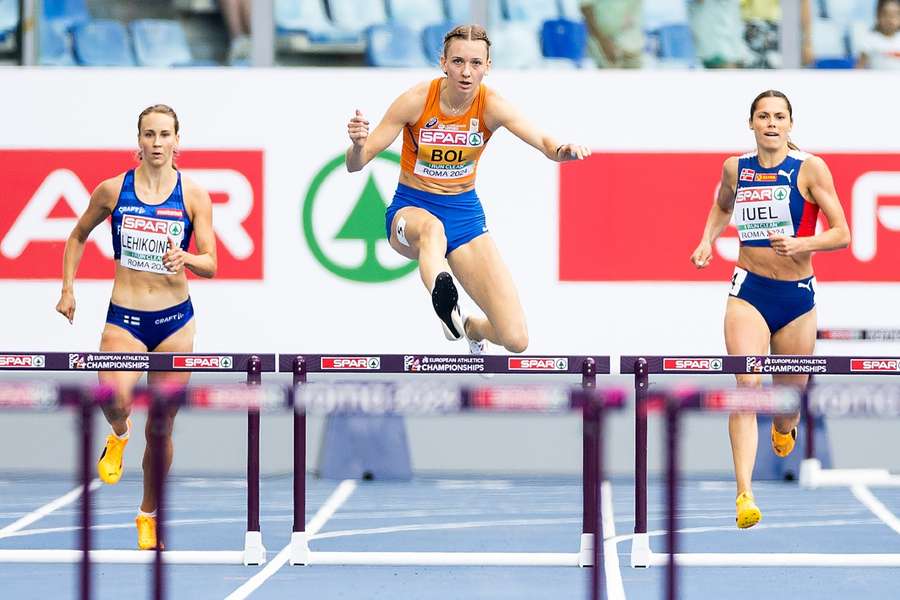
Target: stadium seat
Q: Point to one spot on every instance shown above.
(9, 17)
(658, 13)
(390, 45)
(160, 43)
(459, 12)
(352, 15)
(416, 14)
(433, 41)
(308, 18)
(55, 46)
(103, 43)
(68, 13)
(676, 45)
(531, 11)
(515, 46)
(561, 38)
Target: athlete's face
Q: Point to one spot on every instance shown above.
(157, 139)
(771, 123)
(465, 62)
(889, 18)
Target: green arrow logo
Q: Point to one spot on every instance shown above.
(365, 223)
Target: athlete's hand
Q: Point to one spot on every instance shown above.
(568, 152)
(358, 129)
(785, 245)
(173, 259)
(66, 306)
(702, 256)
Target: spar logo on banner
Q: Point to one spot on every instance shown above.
(656, 204)
(875, 365)
(22, 361)
(202, 362)
(343, 220)
(692, 364)
(45, 191)
(538, 364)
(340, 363)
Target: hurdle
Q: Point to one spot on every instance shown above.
(253, 365)
(588, 367)
(644, 366)
(833, 400)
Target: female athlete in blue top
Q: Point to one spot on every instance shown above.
(775, 195)
(154, 211)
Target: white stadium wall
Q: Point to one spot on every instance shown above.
(599, 251)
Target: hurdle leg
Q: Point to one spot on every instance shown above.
(640, 543)
(588, 468)
(86, 426)
(254, 551)
(299, 543)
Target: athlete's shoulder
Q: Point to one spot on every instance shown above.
(108, 190)
(417, 92)
(192, 190)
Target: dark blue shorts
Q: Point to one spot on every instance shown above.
(461, 214)
(151, 327)
(779, 302)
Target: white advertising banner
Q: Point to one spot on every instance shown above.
(598, 250)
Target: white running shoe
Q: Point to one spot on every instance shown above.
(477, 348)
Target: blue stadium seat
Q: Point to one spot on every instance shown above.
(416, 14)
(308, 18)
(657, 13)
(160, 43)
(459, 12)
(103, 43)
(55, 46)
(676, 45)
(532, 11)
(515, 46)
(561, 38)
(352, 15)
(68, 13)
(9, 17)
(389, 45)
(433, 41)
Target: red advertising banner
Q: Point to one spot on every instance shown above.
(639, 216)
(43, 192)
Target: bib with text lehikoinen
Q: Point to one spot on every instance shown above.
(145, 241)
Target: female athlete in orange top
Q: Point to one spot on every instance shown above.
(436, 217)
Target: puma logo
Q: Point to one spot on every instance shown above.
(807, 285)
(787, 174)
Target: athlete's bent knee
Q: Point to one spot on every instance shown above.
(432, 232)
(749, 381)
(516, 342)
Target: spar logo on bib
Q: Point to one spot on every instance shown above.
(350, 363)
(763, 194)
(692, 364)
(343, 220)
(22, 361)
(202, 362)
(538, 364)
(875, 365)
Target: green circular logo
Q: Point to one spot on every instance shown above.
(781, 193)
(363, 224)
(175, 229)
(475, 139)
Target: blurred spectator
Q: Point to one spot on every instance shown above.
(616, 39)
(762, 19)
(719, 33)
(237, 19)
(879, 48)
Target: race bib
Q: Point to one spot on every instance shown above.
(145, 242)
(761, 211)
(446, 154)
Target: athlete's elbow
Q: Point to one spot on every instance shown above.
(844, 238)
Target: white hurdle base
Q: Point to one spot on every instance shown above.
(812, 475)
(748, 559)
(299, 549)
(137, 557)
(254, 551)
(447, 559)
(586, 550)
(641, 555)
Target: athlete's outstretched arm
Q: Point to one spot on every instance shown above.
(205, 262)
(719, 214)
(500, 113)
(102, 203)
(365, 147)
(818, 185)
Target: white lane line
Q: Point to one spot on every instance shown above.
(334, 501)
(864, 495)
(46, 509)
(442, 527)
(615, 588)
